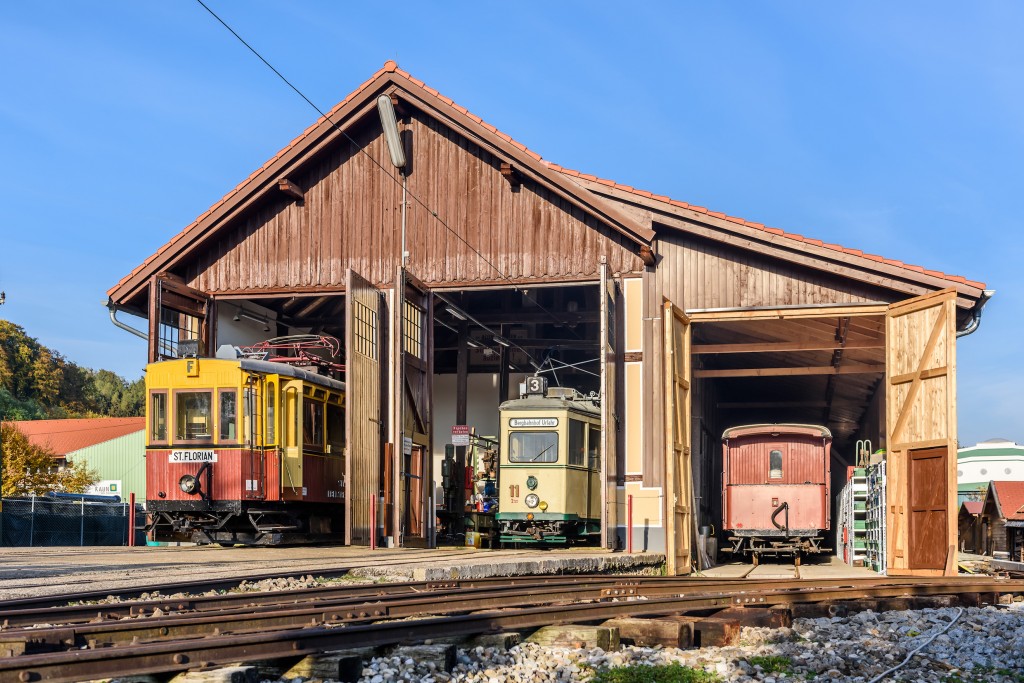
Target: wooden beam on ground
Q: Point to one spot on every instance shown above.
(790, 372)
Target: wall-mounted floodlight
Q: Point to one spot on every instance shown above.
(390, 123)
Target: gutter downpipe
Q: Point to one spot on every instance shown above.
(123, 326)
(975, 321)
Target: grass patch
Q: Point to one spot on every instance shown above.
(773, 664)
(647, 673)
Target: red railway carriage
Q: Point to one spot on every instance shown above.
(244, 451)
(775, 489)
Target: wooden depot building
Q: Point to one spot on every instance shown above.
(686, 321)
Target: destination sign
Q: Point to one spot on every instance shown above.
(193, 456)
(533, 422)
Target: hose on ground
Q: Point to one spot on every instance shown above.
(917, 649)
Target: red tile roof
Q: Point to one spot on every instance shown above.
(66, 436)
(392, 67)
(973, 506)
(1010, 496)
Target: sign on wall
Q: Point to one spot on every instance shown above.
(460, 435)
(107, 487)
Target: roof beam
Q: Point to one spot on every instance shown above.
(860, 368)
(787, 347)
(291, 189)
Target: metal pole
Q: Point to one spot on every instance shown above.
(373, 522)
(81, 526)
(32, 522)
(131, 520)
(629, 524)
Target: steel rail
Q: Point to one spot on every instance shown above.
(221, 650)
(326, 595)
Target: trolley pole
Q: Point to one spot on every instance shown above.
(629, 523)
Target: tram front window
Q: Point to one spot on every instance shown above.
(193, 413)
(533, 447)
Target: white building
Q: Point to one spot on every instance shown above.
(992, 460)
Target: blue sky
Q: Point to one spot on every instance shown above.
(895, 128)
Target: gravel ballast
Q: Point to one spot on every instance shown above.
(963, 644)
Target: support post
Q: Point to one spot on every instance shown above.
(629, 523)
(373, 522)
(461, 409)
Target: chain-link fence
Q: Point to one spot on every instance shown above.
(41, 521)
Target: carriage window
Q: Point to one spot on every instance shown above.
(292, 415)
(335, 428)
(229, 415)
(192, 412)
(271, 413)
(775, 465)
(576, 445)
(312, 425)
(158, 417)
(594, 447)
(533, 447)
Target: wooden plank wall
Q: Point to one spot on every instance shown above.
(351, 218)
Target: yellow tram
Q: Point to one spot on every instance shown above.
(549, 477)
(241, 450)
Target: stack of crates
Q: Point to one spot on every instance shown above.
(843, 519)
(876, 540)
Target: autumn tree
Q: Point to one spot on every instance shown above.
(30, 470)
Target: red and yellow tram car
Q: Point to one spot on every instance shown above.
(775, 489)
(243, 451)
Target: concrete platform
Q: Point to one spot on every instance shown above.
(28, 572)
(826, 567)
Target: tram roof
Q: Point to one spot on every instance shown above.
(290, 371)
(781, 428)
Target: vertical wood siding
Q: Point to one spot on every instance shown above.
(351, 218)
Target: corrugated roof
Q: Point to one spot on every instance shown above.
(66, 436)
(392, 67)
(1010, 497)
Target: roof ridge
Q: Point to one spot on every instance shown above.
(760, 226)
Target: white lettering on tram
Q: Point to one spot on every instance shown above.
(193, 456)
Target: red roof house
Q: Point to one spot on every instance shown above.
(66, 436)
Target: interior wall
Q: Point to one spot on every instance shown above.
(482, 403)
(243, 332)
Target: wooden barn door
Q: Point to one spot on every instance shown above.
(364, 317)
(412, 481)
(609, 412)
(177, 313)
(679, 521)
(921, 424)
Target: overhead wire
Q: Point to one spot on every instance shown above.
(390, 175)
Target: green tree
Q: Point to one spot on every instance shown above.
(30, 470)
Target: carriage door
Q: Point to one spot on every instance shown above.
(177, 313)
(920, 373)
(412, 477)
(364, 311)
(609, 416)
(678, 473)
(254, 458)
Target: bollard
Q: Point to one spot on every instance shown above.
(629, 524)
(373, 522)
(131, 520)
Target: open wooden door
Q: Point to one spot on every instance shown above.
(364, 317)
(609, 414)
(920, 376)
(679, 523)
(412, 483)
(177, 313)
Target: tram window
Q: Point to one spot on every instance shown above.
(229, 415)
(533, 447)
(158, 417)
(271, 413)
(292, 415)
(775, 465)
(192, 412)
(312, 425)
(335, 428)
(576, 445)
(594, 447)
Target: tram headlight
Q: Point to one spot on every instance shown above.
(188, 484)
(531, 482)
(532, 500)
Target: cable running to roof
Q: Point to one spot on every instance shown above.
(389, 174)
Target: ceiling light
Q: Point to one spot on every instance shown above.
(502, 341)
(473, 344)
(456, 313)
(238, 315)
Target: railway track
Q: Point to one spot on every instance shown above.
(154, 636)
